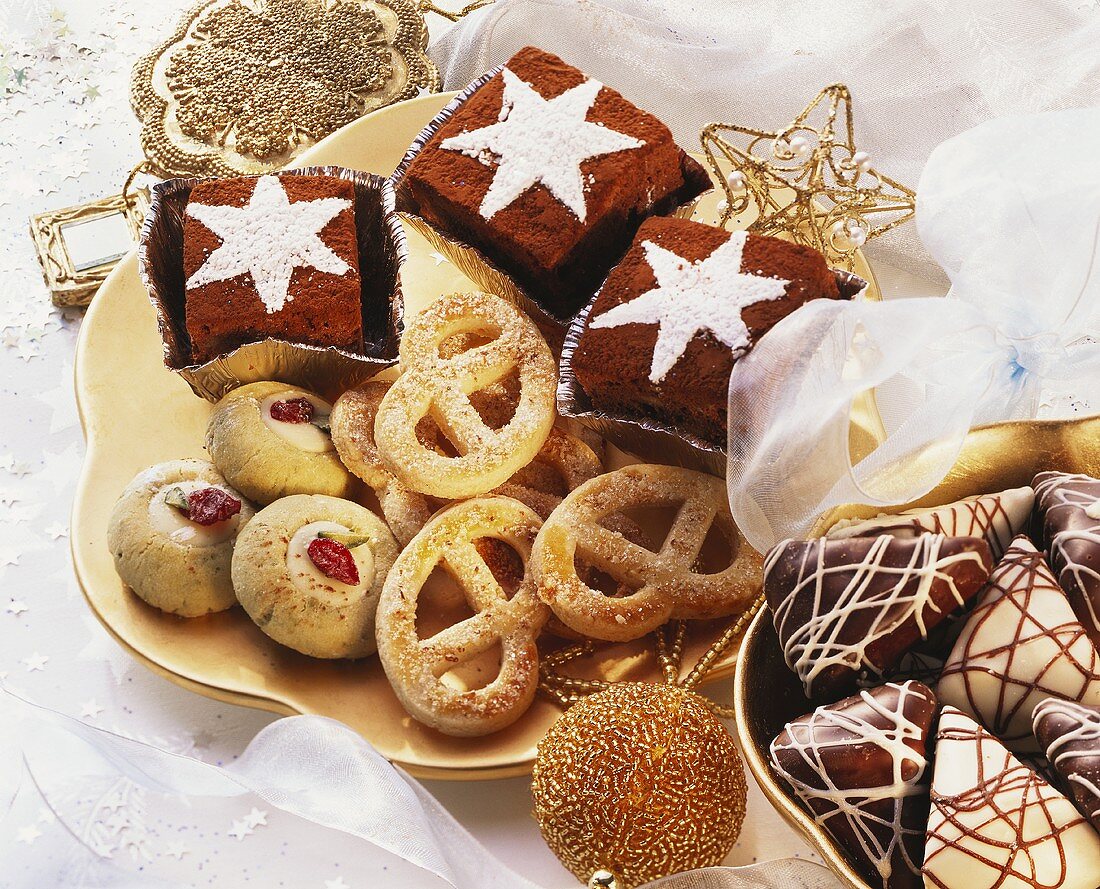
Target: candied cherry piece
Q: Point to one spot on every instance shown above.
(334, 560)
(208, 506)
(294, 410)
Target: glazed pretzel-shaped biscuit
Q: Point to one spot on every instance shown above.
(415, 666)
(439, 387)
(666, 584)
(563, 460)
(352, 428)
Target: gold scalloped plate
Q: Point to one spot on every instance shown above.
(135, 413)
(993, 458)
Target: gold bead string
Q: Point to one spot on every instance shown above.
(670, 657)
(427, 6)
(669, 645)
(721, 644)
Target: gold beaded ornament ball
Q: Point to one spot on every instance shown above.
(641, 781)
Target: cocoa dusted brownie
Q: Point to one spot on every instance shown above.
(548, 173)
(681, 307)
(271, 256)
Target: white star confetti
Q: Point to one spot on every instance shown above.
(36, 662)
(338, 883)
(240, 830)
(540, 141)
(438, 257)
(29, 834)
(56, 531)
(16, 607)
(91, 710)
(268, 238)
(177, 850)
(694, 296)
(256, 818)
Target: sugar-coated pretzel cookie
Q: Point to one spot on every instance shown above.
(352, 426)
(563, 462)
(667, 583)
(441, 387)
(415, 666)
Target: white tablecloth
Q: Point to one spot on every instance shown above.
(66, 136)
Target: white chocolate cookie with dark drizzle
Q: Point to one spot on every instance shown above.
(996, 517)
(846, 609)
(171, 535)
(271, 440)
(1068, 517)
(1020, 644)
(861, 767)
(997, 824)
(1069, 736)
(309, 571)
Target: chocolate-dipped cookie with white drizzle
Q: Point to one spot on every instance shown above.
(996, 517)
(1069, 735)
(861, 768)
(1067, 512)
(997, 824)
(846, 609)
(1020, 644)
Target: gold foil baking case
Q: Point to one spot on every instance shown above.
(325, 370)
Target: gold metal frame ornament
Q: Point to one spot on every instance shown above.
(808, 181)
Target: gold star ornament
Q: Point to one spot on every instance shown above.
(807, 182)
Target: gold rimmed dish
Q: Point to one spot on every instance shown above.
(137, 412)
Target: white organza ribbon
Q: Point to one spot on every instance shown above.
(1011, 210)
(107, 811)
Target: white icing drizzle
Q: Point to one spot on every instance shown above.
(996, 824)
(1020, 644)
(171, 522)
(812, 740)
(996, 517)
(818, 644)
(1054, 494)
(1086, 732)
(691, 297)
(268, 238)
(305, 575)
(304, 436)
(540, 141)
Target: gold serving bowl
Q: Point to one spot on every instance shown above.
(767, 694)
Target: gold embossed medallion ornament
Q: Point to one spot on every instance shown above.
(638, 780)
(808, 181)
(243, 86)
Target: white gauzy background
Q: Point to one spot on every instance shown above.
(924, 71)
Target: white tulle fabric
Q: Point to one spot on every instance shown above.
(326, 794)
(1011, 211)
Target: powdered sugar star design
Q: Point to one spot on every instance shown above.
(269, 238)
(694, 296)
(539, 140)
